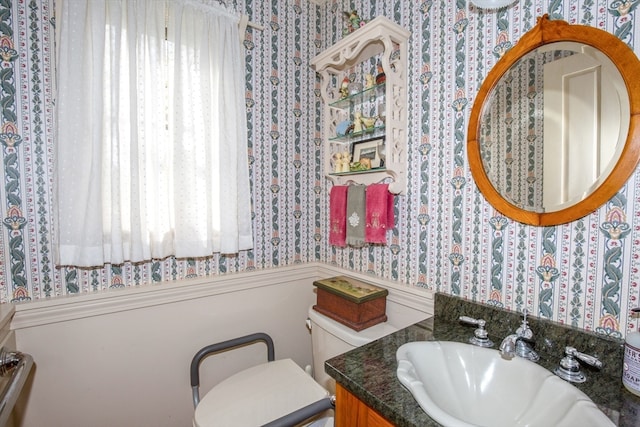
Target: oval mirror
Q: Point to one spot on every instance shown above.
(553, 130)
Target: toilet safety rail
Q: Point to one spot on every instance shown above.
(225, 345)
(302, 414)
(288, 420)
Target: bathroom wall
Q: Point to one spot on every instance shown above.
(122, 359)
(447, 237)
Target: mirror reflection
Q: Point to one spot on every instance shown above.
(554, 126)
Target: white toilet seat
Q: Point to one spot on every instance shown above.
(258, 395)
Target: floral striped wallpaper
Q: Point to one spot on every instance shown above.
(447, 237)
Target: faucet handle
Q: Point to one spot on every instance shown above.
(472, 321)
(569, 368)
(589, 360)
(480, 335)
(524, 330)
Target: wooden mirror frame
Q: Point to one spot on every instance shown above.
(545, 32)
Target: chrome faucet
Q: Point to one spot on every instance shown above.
(513, 345)
(520, 344)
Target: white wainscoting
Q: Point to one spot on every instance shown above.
(122, 357)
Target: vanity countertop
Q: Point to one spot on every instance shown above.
(369, 372)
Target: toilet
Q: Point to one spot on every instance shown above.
(330, 338)
(286, 384)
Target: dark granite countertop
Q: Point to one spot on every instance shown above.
(369, 372)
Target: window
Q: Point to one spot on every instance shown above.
(151, 132)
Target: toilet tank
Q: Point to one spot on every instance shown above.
(330, 338)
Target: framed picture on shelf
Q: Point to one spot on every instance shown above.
(369, 151)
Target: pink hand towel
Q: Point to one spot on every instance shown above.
(338, 215)
(391, 220)
(379, 213)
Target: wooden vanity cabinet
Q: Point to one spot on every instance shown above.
(352, 412)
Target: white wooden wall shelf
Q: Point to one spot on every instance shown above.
(381, 43)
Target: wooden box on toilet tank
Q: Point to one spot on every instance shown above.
(354, 303)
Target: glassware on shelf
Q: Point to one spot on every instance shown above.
(367, 94)
(369, 123)
(355, 88)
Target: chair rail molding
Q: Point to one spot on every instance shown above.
(42, 312)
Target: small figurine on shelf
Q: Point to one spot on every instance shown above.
(369, 122)
(337, 162)
(343, 128)
(365, 162)
(368, 81)
(346, 161)
(344, 88)
(381, 77)
(357, 122)
(353, 21)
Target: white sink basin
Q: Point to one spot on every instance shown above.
(464, 385)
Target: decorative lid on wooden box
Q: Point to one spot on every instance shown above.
(351, 289)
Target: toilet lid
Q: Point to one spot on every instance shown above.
(258, 395)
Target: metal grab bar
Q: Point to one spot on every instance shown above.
(302, 414)
(14, 370)
(194, 369)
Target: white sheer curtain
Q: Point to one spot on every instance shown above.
(151, 132)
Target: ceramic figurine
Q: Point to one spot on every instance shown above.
(349, 29)
(381, 77)
(368, 122)
(368, 81)
(344, 88)
(346, 161)
(337, 162)
(350, 128)
(357, 122)
(353, 21)
(344, 128)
